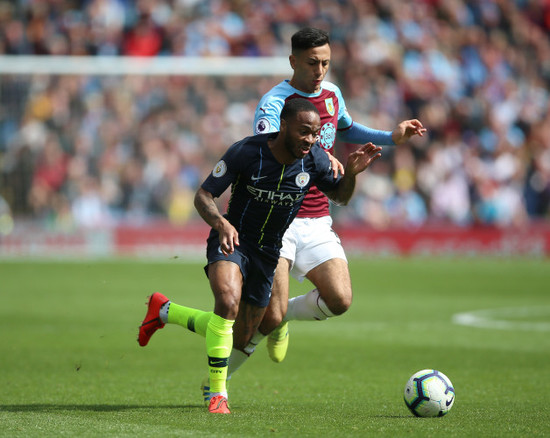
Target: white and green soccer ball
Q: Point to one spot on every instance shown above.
(429, 393)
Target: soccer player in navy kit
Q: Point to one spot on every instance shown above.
(310, 248)
(269, 175)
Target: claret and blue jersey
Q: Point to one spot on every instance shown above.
(266, 195)
(334, 117)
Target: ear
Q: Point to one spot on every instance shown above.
(292, 60)
(282, 125)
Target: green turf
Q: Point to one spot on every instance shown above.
(70, 364)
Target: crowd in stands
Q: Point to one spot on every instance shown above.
(92, 150)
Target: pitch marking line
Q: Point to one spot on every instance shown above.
(506, 318)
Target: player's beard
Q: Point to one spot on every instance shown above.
(294, 150)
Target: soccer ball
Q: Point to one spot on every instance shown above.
(429, 393)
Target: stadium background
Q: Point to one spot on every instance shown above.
(108, 164)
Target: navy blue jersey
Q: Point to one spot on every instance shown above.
(266, 195)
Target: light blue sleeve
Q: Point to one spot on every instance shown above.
(353, 132)
(267, 115)
(344, 119)
(360, 134)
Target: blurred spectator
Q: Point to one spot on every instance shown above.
(6, 218)
(50, 172)
(94, 150)
(89, 208)
(144, 38)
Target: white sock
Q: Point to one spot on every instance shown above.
(238, 357)
(253, 343)
(308, 307)
(163, 312)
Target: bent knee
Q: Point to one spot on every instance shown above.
(338, 303)
(273, 320)
(270, 322)
(227, 305)
(340, 306)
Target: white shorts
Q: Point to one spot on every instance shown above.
(308, 242)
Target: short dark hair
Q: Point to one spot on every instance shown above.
(309, 37)
(294, 106)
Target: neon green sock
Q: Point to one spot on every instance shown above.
(201, 322)
(192, 319)
(219, 341)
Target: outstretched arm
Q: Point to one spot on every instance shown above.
(361, 134)
(207, 208)
(406, 129)
(358, 161)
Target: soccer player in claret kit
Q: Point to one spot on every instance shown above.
(269, 175)
(311, 249)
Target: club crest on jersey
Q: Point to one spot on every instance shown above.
(262, 125)
(302, 179)
(219, 169)
(330, 106)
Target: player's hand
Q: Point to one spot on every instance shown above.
(335, 165)
(406, 129)
(229, 238)
(362, 158)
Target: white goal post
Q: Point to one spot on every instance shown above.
(150, 66)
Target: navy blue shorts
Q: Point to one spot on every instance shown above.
(256, 268)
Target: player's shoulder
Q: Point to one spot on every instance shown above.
(317, 151)
(278, 94)
(318, 155)
(251, 142)
(331, 86)
(266, 118)
(331, 90)
(245, 151)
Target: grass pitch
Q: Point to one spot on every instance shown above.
(70, 364)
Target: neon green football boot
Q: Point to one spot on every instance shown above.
(277, 342)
